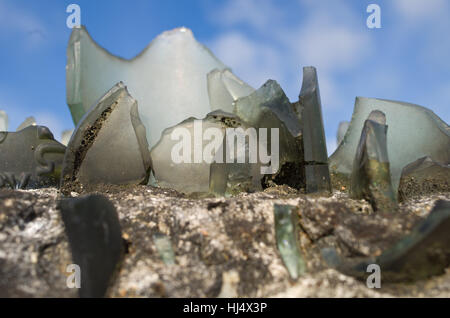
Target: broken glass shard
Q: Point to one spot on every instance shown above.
(168, 78)
(342, 130)
(224, 88)
(424, 252)
(173, 162)
(317, 175)
(183, 158)
(93, 230)
(414, 132)
(65, 136)
(298, 109)
(164, 247)
(371, 178)
(421, 254)
(3, 121)
(279, 133)
(237, 172)
(286, 223)
(424, 176)
(109, 145)
(30, 158)
(269, 98)
(29, 121)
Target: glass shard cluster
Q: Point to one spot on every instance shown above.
(176, 117)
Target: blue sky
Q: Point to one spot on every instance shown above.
(408, 59)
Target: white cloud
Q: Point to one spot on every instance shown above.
(429, 21)
(332, 36)
(383, 80)
(416, 10)
(328, 35)
(325, 38)
(15, 19)
(256, 13)
(330, 47)
(254, 61)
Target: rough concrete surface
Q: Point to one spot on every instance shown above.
(223, 246)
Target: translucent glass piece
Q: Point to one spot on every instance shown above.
(371, 179)
(238, 175)
(286, 232)
(30, 158)
(419, 255)
(342, 130)
(29, 121)
(168, 78)
(268, 109)
(313, 131)
(414, 132)
(65, 136)
(270, 97)
(109, 145)
(424, 176)
(314, 142)
(224, 88)
(183, 157)
(95, 237)
(3, 121)
(164, 247)
(298, 109)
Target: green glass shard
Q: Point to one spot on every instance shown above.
(30, 158)
(298, 109)
(421, 254)
(168, 78)
(164, 247)
(414, 132)
(342, 130)
(313, 131)
(101, 153)
(424, 252)
(95, 237)
(228, 179)
(371, 178)
(237, 167)
(29, 121)
(3, 121)
(269, 110)
(270, 98)
(236, 174)
(314, 143)
(424, 176)
(173, 162)
(286, 227)
(224, 88)
(316, 178)
(183, 158)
